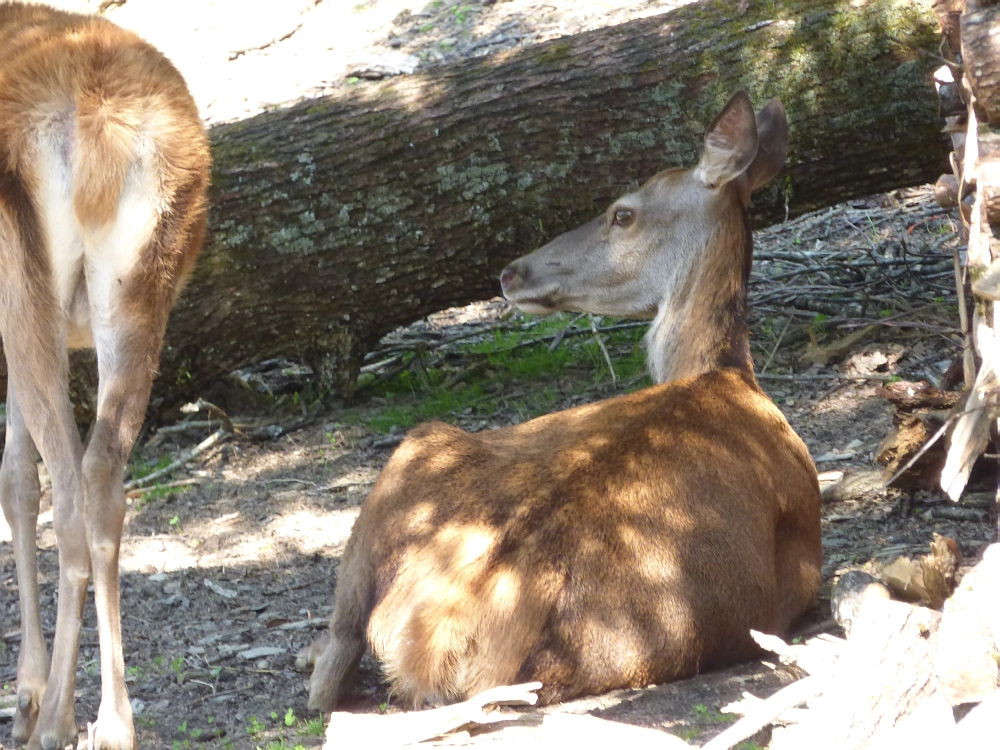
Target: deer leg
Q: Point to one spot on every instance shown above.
(19, 495)
(38, 366)
(337, 653)
(126, 362)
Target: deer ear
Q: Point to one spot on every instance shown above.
(772, 136)
(730, 143)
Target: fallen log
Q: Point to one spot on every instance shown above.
(336, 220)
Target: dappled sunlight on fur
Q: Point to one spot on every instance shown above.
(622, 543)
(592, 540)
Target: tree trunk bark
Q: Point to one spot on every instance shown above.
(338, 219)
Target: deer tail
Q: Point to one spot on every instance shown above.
(104, 148)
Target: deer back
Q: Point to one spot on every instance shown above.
(629, 541)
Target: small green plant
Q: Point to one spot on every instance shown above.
(748, 745)
(708, 715)
(141, 469)
(502, 371)
(156, 492)
(177, 665)
(175, 523)
(289, 718)
(313, 727)
(461, 12)
(255, 726)
(818, 324)
(687, 733)
(383, 707)
(282, 744)
(426, 27)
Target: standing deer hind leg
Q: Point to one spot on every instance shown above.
(34, 337)
(126, 359)
(19, 495)
(129, 289)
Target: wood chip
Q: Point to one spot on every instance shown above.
(261, 652)
(221, 590)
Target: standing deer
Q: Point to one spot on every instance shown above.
(618, 544)
(103, 172)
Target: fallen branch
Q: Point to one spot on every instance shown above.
(795, 377)
(377, 731)
(190, 482)
(766, 712)
(777, 343)
(528, 731)
(206, 444)
(201, 405)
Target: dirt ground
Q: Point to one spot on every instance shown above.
(226, 577)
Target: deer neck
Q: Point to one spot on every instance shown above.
(701, 324)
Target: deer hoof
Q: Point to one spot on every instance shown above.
(57, 738)
(26, 715)
(110, 732)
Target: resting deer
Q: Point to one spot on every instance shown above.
(627, 542)
(103, 172)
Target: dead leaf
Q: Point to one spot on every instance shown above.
(905, 579)
(871, 360)
(939, 569)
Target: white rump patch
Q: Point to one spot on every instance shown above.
(89, 265)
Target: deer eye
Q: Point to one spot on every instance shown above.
(623, 217)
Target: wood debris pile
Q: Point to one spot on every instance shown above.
(969, 90)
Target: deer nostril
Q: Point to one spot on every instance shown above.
(507, 277)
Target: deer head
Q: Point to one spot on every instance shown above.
(677, 250)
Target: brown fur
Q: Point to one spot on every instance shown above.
(104, 166)
(626, 542)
